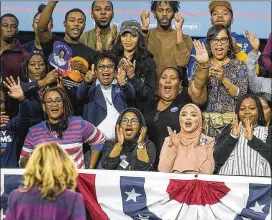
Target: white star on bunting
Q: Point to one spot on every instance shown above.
(132, 195)
(258, 207)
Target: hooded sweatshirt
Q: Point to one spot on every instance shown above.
(128, 160)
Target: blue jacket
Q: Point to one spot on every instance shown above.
(241, 40)
(95, 109)
(11, 134)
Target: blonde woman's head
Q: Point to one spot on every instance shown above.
(51, 170)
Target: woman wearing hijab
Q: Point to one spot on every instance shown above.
(63, 128)
(244, 148)
(49, 188)
(131, 149)
(189, 151)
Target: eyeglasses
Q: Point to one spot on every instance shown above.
(103, 67)
(133, 121)
(223, 40)
(50, 102)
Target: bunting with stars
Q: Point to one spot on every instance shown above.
(126, 195)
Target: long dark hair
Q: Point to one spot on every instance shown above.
(140, 55)
(212, 33)
(268, 98)
(24, 71)
(62, 125)
(261, 121)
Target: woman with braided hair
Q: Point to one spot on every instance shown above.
(70, 132)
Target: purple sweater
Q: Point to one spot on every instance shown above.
(30, 205)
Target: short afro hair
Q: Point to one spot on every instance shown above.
(174, 5)
(8, 15)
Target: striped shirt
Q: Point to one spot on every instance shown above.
(30, 205)
(246, 161)
(78, 132)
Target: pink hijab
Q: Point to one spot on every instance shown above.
(191, 139)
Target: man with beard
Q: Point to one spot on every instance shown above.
(170, 48)
(222, 13)
(74, 24)
(102, 36)
(12, 54)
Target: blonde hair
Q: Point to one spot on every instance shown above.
(51, 170)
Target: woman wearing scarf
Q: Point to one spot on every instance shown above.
(189, 151)
(244, 148)
(132, 150)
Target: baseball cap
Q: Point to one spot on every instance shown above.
(213, 4)
(130, 26)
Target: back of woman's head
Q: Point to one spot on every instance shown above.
(51, 170)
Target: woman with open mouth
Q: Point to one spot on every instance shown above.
(189, 151)
(244, 148)
(131, 149)
(164, 111)
(228, 80)
(70, 132)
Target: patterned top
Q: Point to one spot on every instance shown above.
(219, 100)
(78, 132)
(246, 161)
(30, 205)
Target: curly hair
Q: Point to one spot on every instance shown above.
(106, 54)
(67, 109)
(51, 170)
(140, 55)
(174, 5)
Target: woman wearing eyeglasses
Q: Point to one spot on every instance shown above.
(137, 63)
(70, 132)
(131, 149)
(228, 80)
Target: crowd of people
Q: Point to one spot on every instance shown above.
(134, 99)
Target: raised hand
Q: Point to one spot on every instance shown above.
(112, 36)
(217, 72)
(4, 119)
(142, 136)
(121, 77)
(15, 90)
(120, 136)
(128, 67)
(90, 75)
(174, 141)
(248, 130)
(253, 40)
(179, 20)
(201, 52)
(99, 44)
(145, 18)
(79, 66)
(51, 77)
(236, 128)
